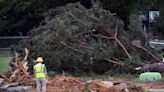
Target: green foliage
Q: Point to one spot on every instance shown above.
(122, 7)
(85, 89)
(159, 50)
(141, 90)
(158, 29)
(135, 28)
(18, 17)
(67, 41)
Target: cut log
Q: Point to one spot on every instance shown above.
(9, 85)
(155, 67)
(1, 80)
(15, 84)
(156, 90)
(17, 89)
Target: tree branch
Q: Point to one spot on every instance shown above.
(112, 61)
(105, 37)
(116, 28)
(63, 43)
(145, 50)
(122, 46)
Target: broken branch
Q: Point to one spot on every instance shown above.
(145, 50)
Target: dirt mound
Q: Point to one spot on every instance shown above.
(63, 83)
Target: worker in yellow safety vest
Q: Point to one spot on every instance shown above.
(40, 74)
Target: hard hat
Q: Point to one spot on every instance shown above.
(39, 59)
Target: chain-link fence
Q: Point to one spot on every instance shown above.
(7, 41)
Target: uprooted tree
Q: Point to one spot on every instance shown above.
(75, 39)
(18, 73)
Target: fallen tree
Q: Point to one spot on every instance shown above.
(154, 67)
(79, 40)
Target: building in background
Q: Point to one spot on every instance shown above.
(148, 20)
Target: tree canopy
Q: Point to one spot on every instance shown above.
(18, 17)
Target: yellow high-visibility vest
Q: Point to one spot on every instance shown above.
(39, 70)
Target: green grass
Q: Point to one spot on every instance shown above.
(5, 58)
(5, 53)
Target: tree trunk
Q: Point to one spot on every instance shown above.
(154, 67)
(17, 89)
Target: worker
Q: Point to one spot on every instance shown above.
(40, 74)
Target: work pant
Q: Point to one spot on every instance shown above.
(41, 82)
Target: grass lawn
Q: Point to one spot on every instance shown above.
(5, 58)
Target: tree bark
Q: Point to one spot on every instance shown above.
(154, 67)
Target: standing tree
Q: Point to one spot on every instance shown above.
(159, 26)
(18, 17)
